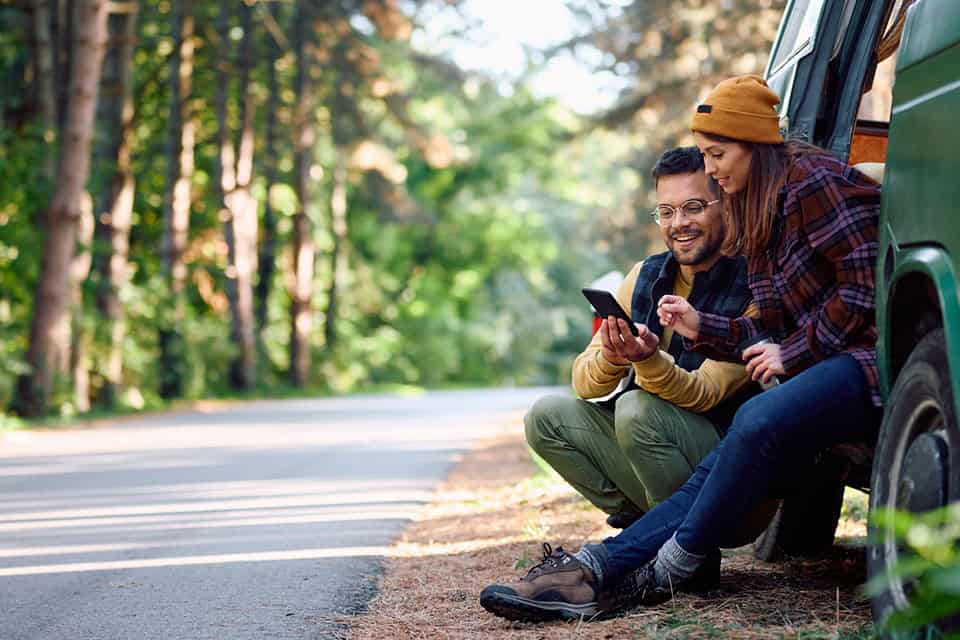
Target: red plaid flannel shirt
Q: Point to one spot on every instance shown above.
(814, 287)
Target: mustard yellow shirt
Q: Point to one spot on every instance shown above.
(698, 391)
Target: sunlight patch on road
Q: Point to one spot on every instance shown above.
(167, 523)
(316, 500)
(203, 490)
(202, 541)
(97, 466)
(188, 561)
(401, 550)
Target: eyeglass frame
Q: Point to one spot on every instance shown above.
(655, 214)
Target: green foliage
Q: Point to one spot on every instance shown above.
(24, 194)
(523, 561)
(464, 294)
(855, 505)
(929, 563)
(466, 243)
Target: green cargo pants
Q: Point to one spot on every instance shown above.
(628, 459)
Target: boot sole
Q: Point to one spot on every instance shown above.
(520, 609)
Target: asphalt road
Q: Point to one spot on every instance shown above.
(261, 520)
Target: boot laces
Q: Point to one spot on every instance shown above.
(551, 560)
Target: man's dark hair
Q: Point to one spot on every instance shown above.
(677, 161)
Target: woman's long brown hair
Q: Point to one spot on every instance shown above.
(750, 214)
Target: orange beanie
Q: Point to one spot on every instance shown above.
(741, 108)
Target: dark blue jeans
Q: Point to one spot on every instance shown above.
(772, 435)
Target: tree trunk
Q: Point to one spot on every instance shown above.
(63, 30)
(267, 259)
(116, 206)
(79, 337)
(49, 329)
(338, 228)
(239, 213)
(344, 128)
(304, 251)
(245, 217)
(176, 212)
(45, 77)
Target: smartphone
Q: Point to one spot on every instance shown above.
(606, 305)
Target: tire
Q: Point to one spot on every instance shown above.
(807, 518)
(915, 467)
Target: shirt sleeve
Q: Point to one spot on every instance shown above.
(593, 375)
(841, 222)
(720, 337)
(699, 390)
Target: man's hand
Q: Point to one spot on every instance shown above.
(620, 347)
(677, 313)
(763, 361)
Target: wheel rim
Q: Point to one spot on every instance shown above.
(919, 481)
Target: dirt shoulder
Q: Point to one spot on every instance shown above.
(488, 520)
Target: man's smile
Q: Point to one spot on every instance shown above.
(686, 237)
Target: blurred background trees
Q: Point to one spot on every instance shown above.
(234, 196)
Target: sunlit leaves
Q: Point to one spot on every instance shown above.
(929, 562)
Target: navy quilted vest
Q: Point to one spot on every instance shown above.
(722, 290)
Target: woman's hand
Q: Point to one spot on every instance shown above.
(763, 362)
(621, 347)
(677, 313)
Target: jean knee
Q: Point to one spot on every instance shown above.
(754, 425)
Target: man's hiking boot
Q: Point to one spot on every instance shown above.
(559, 588)
(623, 519)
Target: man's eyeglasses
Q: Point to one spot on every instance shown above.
(693, 207)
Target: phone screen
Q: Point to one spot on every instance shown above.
(606, 305)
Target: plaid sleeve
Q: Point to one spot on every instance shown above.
(720, 337)
(840, 218)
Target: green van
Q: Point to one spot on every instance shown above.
(877, 82)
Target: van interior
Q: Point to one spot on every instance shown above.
(868, 145)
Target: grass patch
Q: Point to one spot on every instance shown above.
(685, 624)
(856, 505)
(524, 561)
(535, 531)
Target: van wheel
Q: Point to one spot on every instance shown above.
(806, 520)
(915, 467)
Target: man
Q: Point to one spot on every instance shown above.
(628, 454)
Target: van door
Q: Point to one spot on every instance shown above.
(814, 33)
(817, 66)
(798, 62)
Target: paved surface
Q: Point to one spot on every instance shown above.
(263, 520)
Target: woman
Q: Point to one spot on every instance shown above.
(808, 225)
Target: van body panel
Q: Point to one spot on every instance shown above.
(920, 188)
(936, 264)
(936, 26)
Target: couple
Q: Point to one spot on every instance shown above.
(807, 226)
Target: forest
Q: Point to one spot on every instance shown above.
(221, 198)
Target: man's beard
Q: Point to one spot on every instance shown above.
(705, 254)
